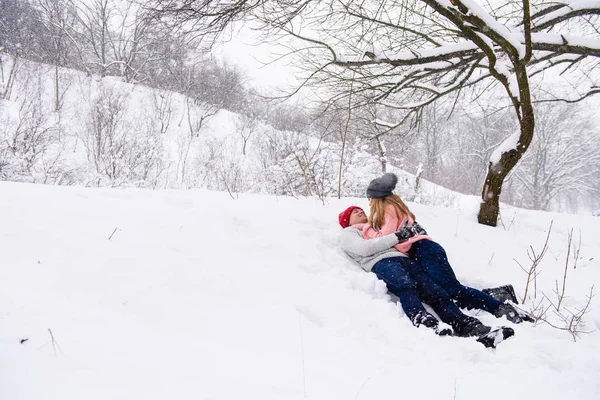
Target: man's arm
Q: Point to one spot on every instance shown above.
(353, 242)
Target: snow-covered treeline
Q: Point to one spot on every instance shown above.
(85, 55)
(111, 133)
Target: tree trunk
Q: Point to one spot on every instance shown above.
(497, 172)
(56, 89)
(382, 154)
(344, 137)
(492, 188)
(11, 78)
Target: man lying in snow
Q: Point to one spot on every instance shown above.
(407, 279)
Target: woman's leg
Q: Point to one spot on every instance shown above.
(406, 279)
(434, 261)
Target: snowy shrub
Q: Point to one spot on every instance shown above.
(145, 155)
(121, 150)
(29, 141)
(105, 134)
(9, 68)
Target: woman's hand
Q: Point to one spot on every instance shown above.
(404, 233)
(417, 229)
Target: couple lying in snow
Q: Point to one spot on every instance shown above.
(391, 244)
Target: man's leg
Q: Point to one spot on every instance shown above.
(392, 271)
(441, 302)
(434, 261)
(407, 280)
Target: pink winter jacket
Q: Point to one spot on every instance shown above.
(392, 223)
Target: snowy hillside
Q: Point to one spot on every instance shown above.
(111, 133)
(140, 294)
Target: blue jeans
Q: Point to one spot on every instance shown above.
(406, 279)
(432, 259)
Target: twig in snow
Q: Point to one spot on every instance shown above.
(491, 258)
(572, 321)
(575, 254)
(536, 259)
(455, 379)
(54, 343)
(302, 348)
(113, 232)
(361, 388)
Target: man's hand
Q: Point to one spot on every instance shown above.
(404, 233)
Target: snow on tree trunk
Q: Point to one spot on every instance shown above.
(504, 160)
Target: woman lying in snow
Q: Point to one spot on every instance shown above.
(416, 268)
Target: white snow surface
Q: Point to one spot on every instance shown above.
(192, 294)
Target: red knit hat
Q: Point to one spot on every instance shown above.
(344, 216)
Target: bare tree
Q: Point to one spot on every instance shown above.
(409, 54)
(373, 129)
(18, 26)
(104, 127)
(305, 156)
(118, 38)
(138, 42)
(273, 146)
(246, 127)
(26, 140)
(163, 110)
(196, 117)
(564, 157)
(58, 18)
(286, 117)
(95, 21)
(477, 131)
(207, 19)
(122, 147)
(434, 133)
(9, 68)
(14, 30)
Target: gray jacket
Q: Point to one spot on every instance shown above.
(368, 252)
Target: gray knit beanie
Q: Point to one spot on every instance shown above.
(382, 186)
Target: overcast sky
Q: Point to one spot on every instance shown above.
(244, 48)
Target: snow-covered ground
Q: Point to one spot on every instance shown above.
(140, 294)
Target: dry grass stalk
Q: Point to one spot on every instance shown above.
(536, 259)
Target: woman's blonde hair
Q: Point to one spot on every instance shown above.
(377, 213)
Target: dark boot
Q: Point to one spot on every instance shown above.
(440, 331)
(466, 326)
(512, 314)
(502, 293)
(426, 319)
(495, 336)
